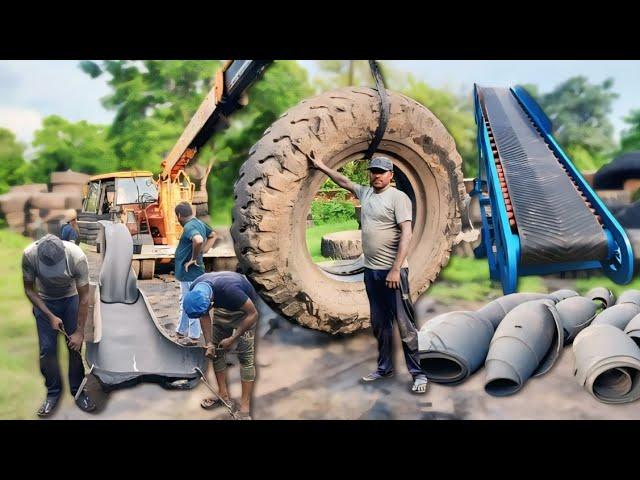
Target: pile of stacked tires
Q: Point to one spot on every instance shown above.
(15, 205)
(34, 210)
(89, 228)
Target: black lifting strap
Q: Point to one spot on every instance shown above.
(384, 110)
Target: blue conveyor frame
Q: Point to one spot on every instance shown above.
(501, 246)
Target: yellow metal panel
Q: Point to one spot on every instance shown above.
(134, 173)
(171, 193)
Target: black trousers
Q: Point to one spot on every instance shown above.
(387, 304)
(67, 310)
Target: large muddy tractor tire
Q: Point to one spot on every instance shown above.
(276, 186)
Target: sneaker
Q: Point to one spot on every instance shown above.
(373, 376)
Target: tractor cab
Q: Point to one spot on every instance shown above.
(125, 197)
(114, 193)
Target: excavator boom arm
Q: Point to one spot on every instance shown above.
(231, 83)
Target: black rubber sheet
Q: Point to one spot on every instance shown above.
(132, 349)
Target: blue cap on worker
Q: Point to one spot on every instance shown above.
(198, 300)
(382, 163)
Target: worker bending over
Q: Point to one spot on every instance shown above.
(235, 320)
(56, 282)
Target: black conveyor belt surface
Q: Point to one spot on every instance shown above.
(554, 223)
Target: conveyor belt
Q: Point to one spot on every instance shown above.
(554, 223)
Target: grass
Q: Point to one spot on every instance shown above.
(583, 285)
(468, 279)
(21, 385)
(315, 234)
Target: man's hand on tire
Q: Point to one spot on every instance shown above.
(393, 279)
(317, 164)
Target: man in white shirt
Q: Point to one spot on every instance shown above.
(386, 217)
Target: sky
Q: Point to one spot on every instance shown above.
(33, 89)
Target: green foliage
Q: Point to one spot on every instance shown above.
(455, 113)
(13, 168)
(62, 145)
(579, 111)
(334, 211)
(21, 386)
(630, 138)
(221, 215)
(582, 159)
(468, 279)
(155, 99)
(356, 171)
(285, 83)
(343, 73)
(153, 102)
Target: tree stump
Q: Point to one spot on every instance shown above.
(345, 245)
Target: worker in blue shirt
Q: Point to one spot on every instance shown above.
(197, 238)
(69, 231)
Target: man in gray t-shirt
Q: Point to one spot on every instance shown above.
(386, 217)
(56, 281)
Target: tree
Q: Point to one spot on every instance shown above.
(579, 112)
(153, 100)
(285, 83)
(630, 138)
(455, 112)
(62, 145)
(13, 168)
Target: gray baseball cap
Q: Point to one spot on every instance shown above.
(383, 163)
(52, 259)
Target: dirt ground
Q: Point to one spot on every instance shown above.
(304, 374)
